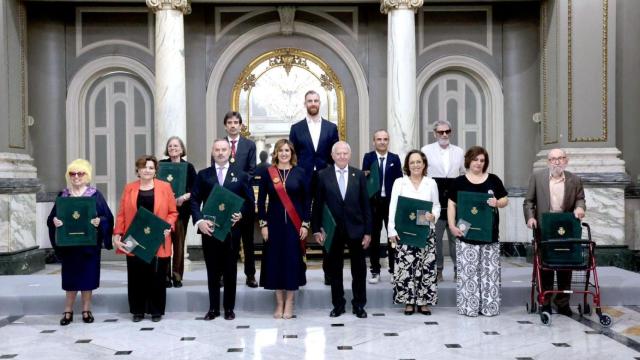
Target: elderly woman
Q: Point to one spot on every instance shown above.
(175, 150)
(414, 278)
(81, 264)
(478, 262)
(284, 185)
(146, 282)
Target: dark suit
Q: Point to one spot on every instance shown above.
(353, 221)
(380, 205)
(536, 202)
(245, 160)
(220, 257)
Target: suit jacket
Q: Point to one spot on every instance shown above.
(245, 158)
(537, 200)
(353, 214)
(164, 207)
(236, 181)
(392, 168)
(436, 167)
(308, 157)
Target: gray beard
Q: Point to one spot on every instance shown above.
(443, 142)
(556, 171)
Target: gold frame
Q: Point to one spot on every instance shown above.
(329, 80)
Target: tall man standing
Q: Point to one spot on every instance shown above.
(243, 156)
(389, 169)
(344, 190)
(446, 162)
(220, 257)
(312, 139)
(554, 190)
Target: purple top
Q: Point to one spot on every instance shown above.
(88, 192)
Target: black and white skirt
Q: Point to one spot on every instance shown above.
(414, 276)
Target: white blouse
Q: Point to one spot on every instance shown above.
(428, 191)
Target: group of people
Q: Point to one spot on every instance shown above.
(310, 173)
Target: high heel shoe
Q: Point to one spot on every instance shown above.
(87, 317)
(66, 320)
(288, 310)
(409, 310)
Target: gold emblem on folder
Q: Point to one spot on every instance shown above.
(170, 178)
(221, 207)
(76, 215)
(412, 216)
(561, 231)
(147, 230)
(474, 210)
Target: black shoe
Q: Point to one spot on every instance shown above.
(177, 283)
(409, 312)
(67, 318)
(327, 280)
(87, 317)
(425, 311)
(138, 317)
(565, 310)
(546, 308)
(156, 318)
(229, 315)
(360, 312)
(211, 314)
(337, 311)
(251, 282)
(167, 283)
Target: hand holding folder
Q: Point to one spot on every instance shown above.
(76, 214)
(475, 216)
(220, 207)
(145, 235)
(410, 220)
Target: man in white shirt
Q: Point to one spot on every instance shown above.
(446, 162)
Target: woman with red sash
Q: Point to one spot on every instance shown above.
(283, 213)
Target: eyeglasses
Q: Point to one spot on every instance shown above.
(442, 132)
(78, 174)
(557, 159)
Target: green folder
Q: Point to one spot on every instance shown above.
(145, 235)
(175, 173)
(329, 227)
(473, 208)
(373, 180)
(76, 214)
(560, 225)
(220, 205)
(412, 228)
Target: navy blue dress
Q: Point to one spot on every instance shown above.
(283, 266)
(81, 264)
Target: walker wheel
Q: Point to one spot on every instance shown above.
(605, 320)
(545, 318)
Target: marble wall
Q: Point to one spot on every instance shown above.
(17, 222)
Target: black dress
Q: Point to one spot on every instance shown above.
(283, 265)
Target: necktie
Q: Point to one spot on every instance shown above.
(381, 172)
(233, 148)
(341, 183)
(220, 176)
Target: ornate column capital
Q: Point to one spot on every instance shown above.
(388, 5)
(181, 5)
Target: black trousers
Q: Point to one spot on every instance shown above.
(380, 214)
(146, 285)
(221, 259)
(564, 283)
(335, 264)
(246, 229)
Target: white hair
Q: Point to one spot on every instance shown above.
(333, 148)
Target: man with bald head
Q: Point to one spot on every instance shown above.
(554, 190)
(344, 190)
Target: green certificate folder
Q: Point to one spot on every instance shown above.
(411, 226)
(561, 225)
(373, 180)
(175, 174)
(221, 204)
(473, 208)
(329, 227)
(76, 214)
(145, 235)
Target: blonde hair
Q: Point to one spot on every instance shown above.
(79, 165)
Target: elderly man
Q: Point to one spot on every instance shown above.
(344, 190)
(554, 190)
(446, 162)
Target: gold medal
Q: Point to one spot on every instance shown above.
(232, 160)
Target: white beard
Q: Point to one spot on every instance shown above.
(556, 171)
(443, 142)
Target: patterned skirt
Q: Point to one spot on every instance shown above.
(414, 276)
(478, 286)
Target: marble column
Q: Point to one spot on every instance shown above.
(402, 121)
(170, 93)
(578, 84)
